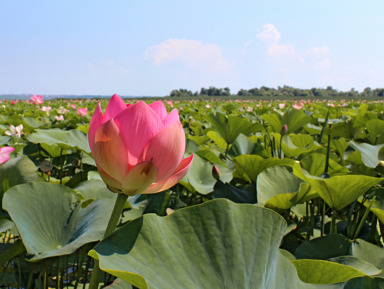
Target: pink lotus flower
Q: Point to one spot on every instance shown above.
(59, 118)
(37, 99)
(138, 149)
(82, 111)
(4, 154)
(46, 108)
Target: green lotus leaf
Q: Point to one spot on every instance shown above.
(369, 153)
(210, 155)
(51, 220)
(243, 145)
(375, 128)
(324, 248)
(314, 163)
(232, 193)
(229, 127)
(17, 171)
(248, 167)
(218, 140)
(324, 272)
(294, 119)
(200, 178)
(8, 251)
(365, 282)
(369, 252)
(357, 263)
(338, 191)
(63, 139)
(274, 181)
(218, 244)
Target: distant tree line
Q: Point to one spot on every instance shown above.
(282, 92)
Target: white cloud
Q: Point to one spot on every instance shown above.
(269, 33)
(319, 51)
(271, 37)
(318, 57)
(194, 54)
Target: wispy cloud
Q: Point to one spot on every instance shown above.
(271, 37)
(194, 54)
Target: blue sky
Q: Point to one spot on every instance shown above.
(148, 48)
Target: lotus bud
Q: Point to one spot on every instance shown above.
(284, 129)
(139, 148)
(215, 172)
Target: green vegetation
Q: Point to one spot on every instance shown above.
(282, 93)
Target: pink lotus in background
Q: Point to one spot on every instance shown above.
(296, 106)
(59, 118)
(4, 154)
(139, 148)
(46, 108)
(36, 99)
(82, 111)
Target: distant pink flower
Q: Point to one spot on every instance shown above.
(73, 106)
(282, 105)
(331, 104)
(4, 154)
(169, 102)
(15, 131)
(59, 118)
(298, 106)
(82, 111)
(37, 99)
(13, 102)
(46, 108)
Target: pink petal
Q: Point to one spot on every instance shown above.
(6, 150)
(114, 107)
(159, 108)
(139, 178)
(138, 123)
(177, 175)
(4, 158)
(110, 150)
(166, 149)
(96, 121)
(172, 117)
(111, 183)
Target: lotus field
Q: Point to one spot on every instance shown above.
(190, 194)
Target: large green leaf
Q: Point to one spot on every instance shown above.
(243, 145)
(63, 139)
(17, 171)
(294, 119)
(8, 251)
(200, 176)
(325, 272)
(314, 163)
(232, 193)
(369, 153)
(323, 248)
(218, 244)
(369, 252)
(375, 128)
(229, 127)
(249, 167)
(338, 191)
(275, 181)
(365, 282)
(51, 220)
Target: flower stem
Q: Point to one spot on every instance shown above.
(113, 221)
